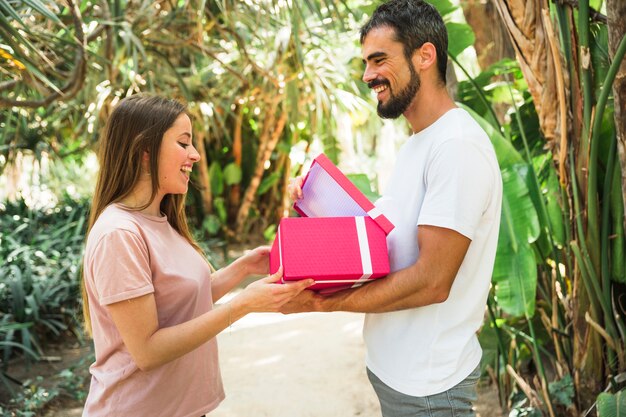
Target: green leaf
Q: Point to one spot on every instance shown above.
(444, 7)
(268, 182)
(41, 8)
(212, 224)
(270, 233)
(232, 174)
(488, 339)
(562, 391)
(364, 185)
(6, 9)
(555, 211)
(596, 4)
(515, 269)
(611, 405)
(600, 57)
(368, 8)
(217, 178)
(30, 352)
(25, 59)
(460, 37)
(220, 208)
(618, 244)
(507, 155)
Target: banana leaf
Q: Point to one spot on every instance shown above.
(515, 271)
(611, 405)
(460, 37)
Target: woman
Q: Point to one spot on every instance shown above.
(148, 291)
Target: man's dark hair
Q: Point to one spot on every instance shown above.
(415, 22)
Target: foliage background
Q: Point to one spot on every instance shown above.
(272, 83)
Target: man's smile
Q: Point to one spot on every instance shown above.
(380, 88)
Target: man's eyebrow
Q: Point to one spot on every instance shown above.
(374, 56)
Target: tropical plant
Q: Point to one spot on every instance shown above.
(259, 77)
(566, 344)
(263, 78)
(40, 257)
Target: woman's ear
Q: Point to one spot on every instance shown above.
(145, 162)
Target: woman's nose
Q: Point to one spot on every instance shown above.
(194, 155)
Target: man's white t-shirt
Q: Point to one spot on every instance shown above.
(446, 175)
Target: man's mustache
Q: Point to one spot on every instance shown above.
(377, 82)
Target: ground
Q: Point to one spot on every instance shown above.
(306, 365)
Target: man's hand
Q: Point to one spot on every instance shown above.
(306, 301)
(294, 189)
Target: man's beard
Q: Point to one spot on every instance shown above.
(398, 103)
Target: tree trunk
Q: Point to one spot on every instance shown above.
(235, 190)
(272, 129)
(538, 54)
(492, 40)
(204, 182)
(616, 10)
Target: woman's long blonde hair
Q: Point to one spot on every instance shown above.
(136, 125)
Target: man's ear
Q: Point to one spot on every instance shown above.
(425, 56)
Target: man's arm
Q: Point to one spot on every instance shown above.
(427, 281)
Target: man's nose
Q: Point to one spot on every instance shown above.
(368, 75)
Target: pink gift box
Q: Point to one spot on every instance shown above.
(337, 252)
(327, 192)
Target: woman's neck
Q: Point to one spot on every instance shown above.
(140, 196)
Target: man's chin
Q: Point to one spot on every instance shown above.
(384, 113)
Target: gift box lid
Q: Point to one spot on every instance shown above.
(327, 192)
(331, 250)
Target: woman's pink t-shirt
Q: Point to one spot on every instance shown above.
(129, 254)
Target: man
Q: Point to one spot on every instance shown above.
(444, 198)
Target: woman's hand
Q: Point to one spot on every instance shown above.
(267, 295)
(294, 189)
(257, 261)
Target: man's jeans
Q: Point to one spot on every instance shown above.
(456, 402)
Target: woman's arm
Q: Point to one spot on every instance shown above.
(255, 262)
(150, 346)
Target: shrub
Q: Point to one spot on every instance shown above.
(40, 257)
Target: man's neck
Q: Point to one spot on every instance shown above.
(428, 106)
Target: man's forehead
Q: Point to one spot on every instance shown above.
(380, 40)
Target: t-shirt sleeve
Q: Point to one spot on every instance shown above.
(121, 267)
(459, 184)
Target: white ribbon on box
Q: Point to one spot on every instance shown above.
(364, 247)
(374, 213)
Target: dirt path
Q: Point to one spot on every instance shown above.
(306, 365)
